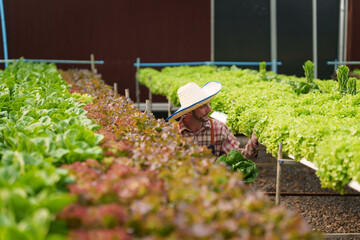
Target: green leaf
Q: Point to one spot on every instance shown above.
(233, 157)
(58, 230)
(59, 153)
(221, 158)
(9, 174)
(38, 223)
(14, 233)
(56, 202)
(15, 159)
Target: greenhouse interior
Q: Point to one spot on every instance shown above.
(204, 119)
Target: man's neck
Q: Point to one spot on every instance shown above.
(193, 124)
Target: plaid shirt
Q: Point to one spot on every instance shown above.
(224, 139)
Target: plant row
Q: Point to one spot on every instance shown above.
(314, 119)
(134, 178)
(41, 128)
(154, 184)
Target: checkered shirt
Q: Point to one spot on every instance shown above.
(224, 139)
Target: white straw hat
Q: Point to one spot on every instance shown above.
(191, 96)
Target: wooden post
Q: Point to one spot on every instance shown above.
(169, 104)
(92, 59)
(127, 94)
(150, 94)
(147, 107)
(169, 108)
(278, 174)
(137, 87)
(115, 88)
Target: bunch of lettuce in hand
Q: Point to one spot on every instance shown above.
(237, 162)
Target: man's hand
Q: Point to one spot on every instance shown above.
(254, 139)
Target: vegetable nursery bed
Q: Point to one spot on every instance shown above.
(314, 119)
(328, 214)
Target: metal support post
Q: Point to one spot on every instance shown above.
(127, 94)
(212, 30)
(346, 28)
(315, 55)
(278, 174)
(341, 31)
(115, 88)
(335, 65)
(273, 35)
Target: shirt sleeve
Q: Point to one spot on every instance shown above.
(249, 151)
(230, 142)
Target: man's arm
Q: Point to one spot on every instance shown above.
(249, 151)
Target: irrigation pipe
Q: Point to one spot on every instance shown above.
(55, 61)
(169, 64)
(336, 63)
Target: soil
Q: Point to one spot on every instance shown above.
(327, 214)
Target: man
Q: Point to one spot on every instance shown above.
(196, 123)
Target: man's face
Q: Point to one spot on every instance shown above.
(202, 113)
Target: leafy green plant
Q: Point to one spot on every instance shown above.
(238, 162)
(309, 71)
(342, 75)
(303, 87)
(357, 71)
(262, 70)
(303, 122)
(41, 127)
(84, 98)
(351, 86)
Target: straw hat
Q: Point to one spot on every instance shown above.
(191, 96)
